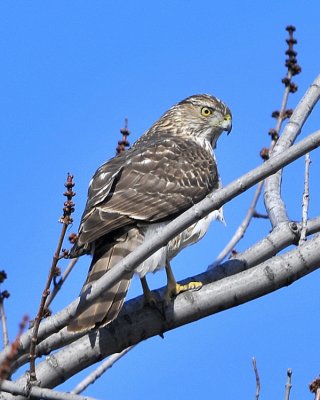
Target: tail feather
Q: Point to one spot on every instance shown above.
(107, 307)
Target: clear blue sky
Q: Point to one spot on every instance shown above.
(70, 73)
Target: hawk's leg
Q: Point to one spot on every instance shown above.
(149, 297)
(174, 288)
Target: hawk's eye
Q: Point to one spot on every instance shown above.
(206, 111)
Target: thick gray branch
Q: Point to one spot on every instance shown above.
(137, 323)
(272, 197)
(280, 238)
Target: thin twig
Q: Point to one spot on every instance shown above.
(60, 282)
(123, 143)
(5, 367)
(305, 199)
(288, 384)
(65, 220)
(4, 294)
(255, 369)
(238, 235)
(91, 378)
(4, 325)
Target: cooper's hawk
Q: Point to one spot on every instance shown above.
(170, 168)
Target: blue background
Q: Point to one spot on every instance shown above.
(70, 72)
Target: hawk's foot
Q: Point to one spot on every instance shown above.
(174, 290)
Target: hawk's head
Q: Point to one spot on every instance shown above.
(200, 115)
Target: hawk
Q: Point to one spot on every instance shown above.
(135, 194)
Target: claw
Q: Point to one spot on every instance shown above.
(173, 291)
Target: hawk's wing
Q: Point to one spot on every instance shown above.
(151, 182)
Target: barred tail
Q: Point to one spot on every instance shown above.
(107, 307)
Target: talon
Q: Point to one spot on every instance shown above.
(192, 286)
(173, 291)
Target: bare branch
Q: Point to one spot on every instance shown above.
(256, 373)
(61, 281)
(4, 294)
(280, 238)
(65, 220)
(274, 204)
(288, 384)
(4, 324)
(305, 201)
(34, 392)
(96, 374)
(241, 229)
(138, 323)
(215, 201)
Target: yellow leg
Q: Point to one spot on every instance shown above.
(174, 288)
(149, 297)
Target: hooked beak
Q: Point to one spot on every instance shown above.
(227, 123)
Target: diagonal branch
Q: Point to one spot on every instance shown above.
(97, 373)
(279, 239)
(210, 203)
(60, 282)
(241, 228)
(137, 323)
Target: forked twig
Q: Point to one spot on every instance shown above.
(65, 220)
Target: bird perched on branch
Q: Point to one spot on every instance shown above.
(169, 169)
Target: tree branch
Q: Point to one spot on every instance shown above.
(137, 323)
(96, 374)
(274, 204)
(214, 201)
(241, 228)
(61, 281)
(34, 392)
(288, 384)
(280, 238)
(305, 199)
